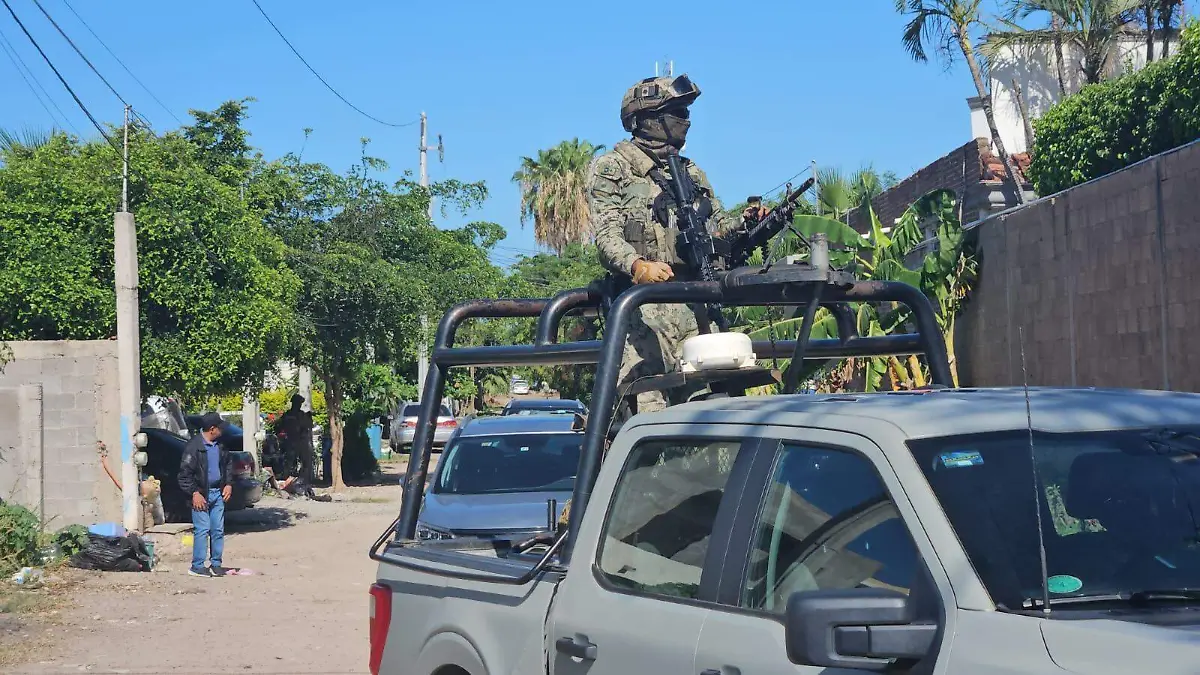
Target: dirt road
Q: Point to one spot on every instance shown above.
(304, 612)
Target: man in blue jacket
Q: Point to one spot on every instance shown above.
(206, 473)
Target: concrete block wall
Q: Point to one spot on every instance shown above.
(58, 400)
(1100, 279)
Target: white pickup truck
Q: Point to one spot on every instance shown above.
(983, 532)
(820, 534)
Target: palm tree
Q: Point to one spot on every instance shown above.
(553, 193)
(1095, 27)
(839, 193)
(948, 24)
(24, 141)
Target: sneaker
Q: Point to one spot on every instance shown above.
(218, 571)
(202, 572)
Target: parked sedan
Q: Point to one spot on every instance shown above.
(497, 478)
(543, 406)
(404, 427)
(164, 450)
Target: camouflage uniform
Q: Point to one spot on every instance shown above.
(620, 196)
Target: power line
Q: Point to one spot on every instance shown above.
(18, 63)
(122, 63)
(71, 42)
(323, 81)
(62, 79)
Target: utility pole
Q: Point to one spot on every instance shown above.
(304, 387)
(422, 345)
(129, 366)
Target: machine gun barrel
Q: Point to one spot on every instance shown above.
(761, 233)
(697, 244)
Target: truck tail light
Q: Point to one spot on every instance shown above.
(381, 619)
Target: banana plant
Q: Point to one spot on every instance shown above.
(945, 275)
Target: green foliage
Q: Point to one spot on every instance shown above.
(214, 286)
(945, 275)
(71, 540)
(1108, 126)
(20, 534)
(553, 193)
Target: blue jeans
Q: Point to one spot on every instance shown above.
(209, 527)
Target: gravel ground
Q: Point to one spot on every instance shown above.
(304, 611)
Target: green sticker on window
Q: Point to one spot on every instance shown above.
(1064, 583)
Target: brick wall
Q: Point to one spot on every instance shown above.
(1102, 281)
(57, 400)
(959, 171)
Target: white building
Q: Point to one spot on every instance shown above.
(1033, 67)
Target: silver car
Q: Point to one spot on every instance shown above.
(497, 478)
(404, 427)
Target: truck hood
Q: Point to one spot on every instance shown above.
(1108, 646)
(490, 513)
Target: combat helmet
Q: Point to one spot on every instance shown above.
(656, 93)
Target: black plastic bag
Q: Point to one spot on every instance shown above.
(113, 554)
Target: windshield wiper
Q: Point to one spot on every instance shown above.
(1144, 597)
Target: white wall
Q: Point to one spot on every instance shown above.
(1034, 69)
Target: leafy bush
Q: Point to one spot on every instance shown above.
(1110, 125)
(71, 540)
(20, 532)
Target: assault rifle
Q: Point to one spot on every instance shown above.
(695, 243)
(754, 236)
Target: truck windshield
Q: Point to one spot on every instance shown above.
(1119, 509)
(509, 463)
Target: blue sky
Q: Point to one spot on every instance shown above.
(783, 83)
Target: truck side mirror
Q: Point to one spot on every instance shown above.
(864, 628)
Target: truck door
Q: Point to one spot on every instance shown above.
(822, 517)
(649, 564)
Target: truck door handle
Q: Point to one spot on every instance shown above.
(578, 647)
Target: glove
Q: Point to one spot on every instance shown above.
(651, 271)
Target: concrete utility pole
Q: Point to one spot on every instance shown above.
(304, 387)
(422, 346)
(129, 360)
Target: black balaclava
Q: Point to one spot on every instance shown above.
(662, 132)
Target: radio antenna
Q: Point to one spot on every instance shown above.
(1037, 502)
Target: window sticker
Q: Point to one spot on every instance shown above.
(957, 459)
(1063, 583)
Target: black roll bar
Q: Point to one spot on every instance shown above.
(780, 287)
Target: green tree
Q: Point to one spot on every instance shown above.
(947, 26)
(215, 289)
(553, 193)
(371, 263)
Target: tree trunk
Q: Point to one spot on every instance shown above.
(1148, 8)
(1166, 16)
(1056, 27)
(1024, 114)
(333, 407)
(985, 97)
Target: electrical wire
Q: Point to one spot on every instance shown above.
(798, 174)
(63, 80)
(122, 63)
(78, 51)
(322, 79)
(15, 58)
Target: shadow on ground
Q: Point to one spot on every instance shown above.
(261, 519)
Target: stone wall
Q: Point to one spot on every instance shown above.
(58, 400)
(1101, 280)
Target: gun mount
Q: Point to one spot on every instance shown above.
(801, 285)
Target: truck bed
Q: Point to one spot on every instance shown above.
(433, 613)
